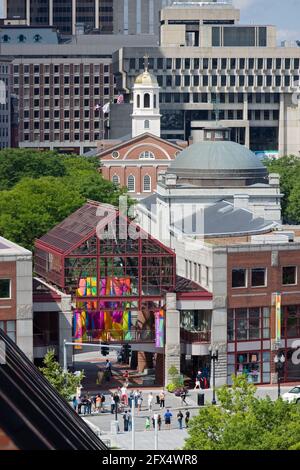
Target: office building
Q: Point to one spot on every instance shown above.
(210, 67)
(5, 103)
(62, 14)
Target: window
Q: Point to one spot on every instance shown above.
(239, 278)
(258, 277)
(289, 275)
(115, 154)
(147, 124)
(131, 183)
(116, 180)
(247, 324)
(146, 100)
(9, 327)
(147, 183)
(147, 155)
(5, 289)
(22, 38)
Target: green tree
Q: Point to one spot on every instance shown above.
(244, 422)
(65, 383)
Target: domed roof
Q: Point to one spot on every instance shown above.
(146, 78)
(212, 159)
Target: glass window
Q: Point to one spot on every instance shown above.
(239, 277)
(254, 323)
(147, 183)
(131, 184)
(266, 323)
(241, 324)
(5, 289)
(289, 275)
(116, 180)
(147, 124)
(258, 277)
(147, 155)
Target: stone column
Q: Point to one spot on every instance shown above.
(65, 328)
(97, 14)
(24, 309)
(172, 340)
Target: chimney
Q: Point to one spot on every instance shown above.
(274, 179)
(241, 201)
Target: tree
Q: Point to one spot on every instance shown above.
(65, 383)
(244, 422)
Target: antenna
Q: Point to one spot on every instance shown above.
(146, 62)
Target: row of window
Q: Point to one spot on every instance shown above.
(65, 67)
(131, 183)
(227, 80)
(215, 63)
(145, 155)
(257, 277)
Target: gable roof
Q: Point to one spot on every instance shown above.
(137, 139)
(32, 412)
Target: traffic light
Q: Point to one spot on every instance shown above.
(126, 350)
(104, 350)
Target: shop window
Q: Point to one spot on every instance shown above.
(5, 289)
(289, 275)
(239, 278)
(258, 277)
(248, 364)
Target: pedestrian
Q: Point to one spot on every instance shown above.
(125, 418)
(136, 395)
(157, 400)
(129, 421)
(139, 403)
(102, 403)
(130, 399)
(179, 419)
(147, 424)
(79, 405)
(75, 403)
(112, 403)
(168, 416)
(108, 372)
(124, 395)
(162, 399)
(159, 422)
(150, 401)
(98, 403)
(187, 419)
(116, 400)
(183, 397)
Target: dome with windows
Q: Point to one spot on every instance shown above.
(146, 78)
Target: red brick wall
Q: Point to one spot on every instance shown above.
(8, 306)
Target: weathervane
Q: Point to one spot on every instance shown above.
(146, 57)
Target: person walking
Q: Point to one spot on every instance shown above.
(129, 421)
(150, 401)
(98, 403)
(102, 398)
(139, 403)
(180, 419)
(108, 370)
(168, 416)
(126, 420)
(124, 395)
(75, 403)
(159, 422)
(147, 423)
(162, 399)
(136, 395)
(187, 419)
(183, 397)
(112, 403)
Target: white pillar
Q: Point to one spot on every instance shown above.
(28, 12)
(97, 14)
(51, 12)
(281, 137)
(73, 16)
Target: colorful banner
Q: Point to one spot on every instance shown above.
(159, 328)
(278, 317)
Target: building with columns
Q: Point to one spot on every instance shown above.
(225, 70)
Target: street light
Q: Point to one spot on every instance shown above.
(279, 360)
(214, 356)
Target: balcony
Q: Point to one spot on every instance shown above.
(193, 336)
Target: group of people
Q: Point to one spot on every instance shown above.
(87, 404)
(127, 418)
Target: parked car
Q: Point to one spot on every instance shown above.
(293, 395)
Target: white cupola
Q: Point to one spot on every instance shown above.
(146, 114)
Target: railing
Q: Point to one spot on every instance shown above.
(138, 336)
(195, 336)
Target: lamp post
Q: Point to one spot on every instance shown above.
(214, 356)
(279, 360)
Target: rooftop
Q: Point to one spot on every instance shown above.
(9, 248)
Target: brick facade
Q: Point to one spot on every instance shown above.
(8, 306)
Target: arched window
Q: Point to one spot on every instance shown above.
(147, 155)
(22, 38)
(138, 101)
(116, 180)
(147, 124)
(147, 183)
(6, 38)
(146, 100)
(37, 38)
(131, 184)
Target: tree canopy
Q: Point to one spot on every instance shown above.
(39, 189)
(65, 383)
(289, 170)
(245, 422)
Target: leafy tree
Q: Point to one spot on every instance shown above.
(244, 422)
(16, 164)
(65, 383)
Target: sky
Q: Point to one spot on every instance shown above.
(284, 14)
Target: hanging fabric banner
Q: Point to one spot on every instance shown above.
(278, 317)
(159, 328)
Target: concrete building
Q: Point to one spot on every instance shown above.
(63, 14)
(225, 71)
(16, 313)
(61, 86)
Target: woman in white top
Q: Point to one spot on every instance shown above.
(150, 401)
(124, 395)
